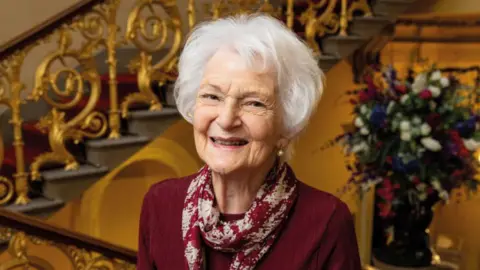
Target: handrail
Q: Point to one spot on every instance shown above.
(35, 227)
(45, 28)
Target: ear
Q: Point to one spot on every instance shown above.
(282, 143)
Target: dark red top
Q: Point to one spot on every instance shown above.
(319, 233)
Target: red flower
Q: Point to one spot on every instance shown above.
(429, 190)
(415, 180)
(402, 89)
(457, 140)
(457, 173)
(425, 94)
(433, 120)
(388, 159)
(387, 191)
(385, 210)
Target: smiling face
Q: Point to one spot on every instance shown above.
(236, 120)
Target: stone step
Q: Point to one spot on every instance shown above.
(152, 124)
(342, 46)
(39, 207)
(326, 62)
(66, 185)
(368, 27)
(112, 152)
(391, 8)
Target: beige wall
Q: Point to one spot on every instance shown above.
(18, 16)
(445, 7)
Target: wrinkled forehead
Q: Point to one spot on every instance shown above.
(227, 69)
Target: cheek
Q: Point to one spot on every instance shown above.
(262, 129)
(202, 118)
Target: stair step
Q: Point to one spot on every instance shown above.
(391, 8)
(112, 152)
(369, 26)
(39, 207)
(152, 124)
(342, 46)
(66, 185)
(326, 62)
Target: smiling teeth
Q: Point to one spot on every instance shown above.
(230, 143)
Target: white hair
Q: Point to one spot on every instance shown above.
(299, 79)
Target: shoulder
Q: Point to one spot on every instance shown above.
(168, 192)
(322, 206)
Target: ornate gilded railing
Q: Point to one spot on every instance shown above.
(68, 79)
(25, 235)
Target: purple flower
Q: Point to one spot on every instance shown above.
(467, 128)
(399, 166)
(378, 116)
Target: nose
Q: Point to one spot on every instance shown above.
(228, 115)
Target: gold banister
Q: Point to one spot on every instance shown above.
(83, 251)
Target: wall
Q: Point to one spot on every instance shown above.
(444, 7)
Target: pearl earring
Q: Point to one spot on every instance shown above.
(280, 153)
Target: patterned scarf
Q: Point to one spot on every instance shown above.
(250, 237)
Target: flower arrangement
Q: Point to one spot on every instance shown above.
(412, 138)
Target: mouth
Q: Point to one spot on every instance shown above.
(229, 142)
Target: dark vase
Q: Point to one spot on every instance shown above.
(410, 246)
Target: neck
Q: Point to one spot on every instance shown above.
(235, 192)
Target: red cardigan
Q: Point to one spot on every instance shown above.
(319, 233)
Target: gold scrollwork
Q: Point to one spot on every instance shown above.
(318, 25)
(149, 32)
(6, 185)
(101, 24)
(10, 95)
(86, 123)
(222, 8)
(80, 259)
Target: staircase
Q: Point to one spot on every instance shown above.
(99, 155)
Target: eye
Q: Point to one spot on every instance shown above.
(209, 96)
(256, 104)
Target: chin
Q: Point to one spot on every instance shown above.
(223, 166)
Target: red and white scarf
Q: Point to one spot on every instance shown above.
(250, 237)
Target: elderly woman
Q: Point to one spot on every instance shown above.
(248, 85)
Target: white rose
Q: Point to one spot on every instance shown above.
(419, 83)
(405, 136)
(421, 186)
(415, 131)
(436, 75)
(364, 131)
(445, 82)
(436, 185)
(399, 115)
(390, 106)
(431, 144)
(422, 196)
(471, 144)
(359, 147)
(444, 195)
(405, 125)
(404, 99)
(425, 129)
(363, 109)
(435, 91)
(416, 120)
(359, 122)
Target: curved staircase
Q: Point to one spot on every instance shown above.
(98, 156)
